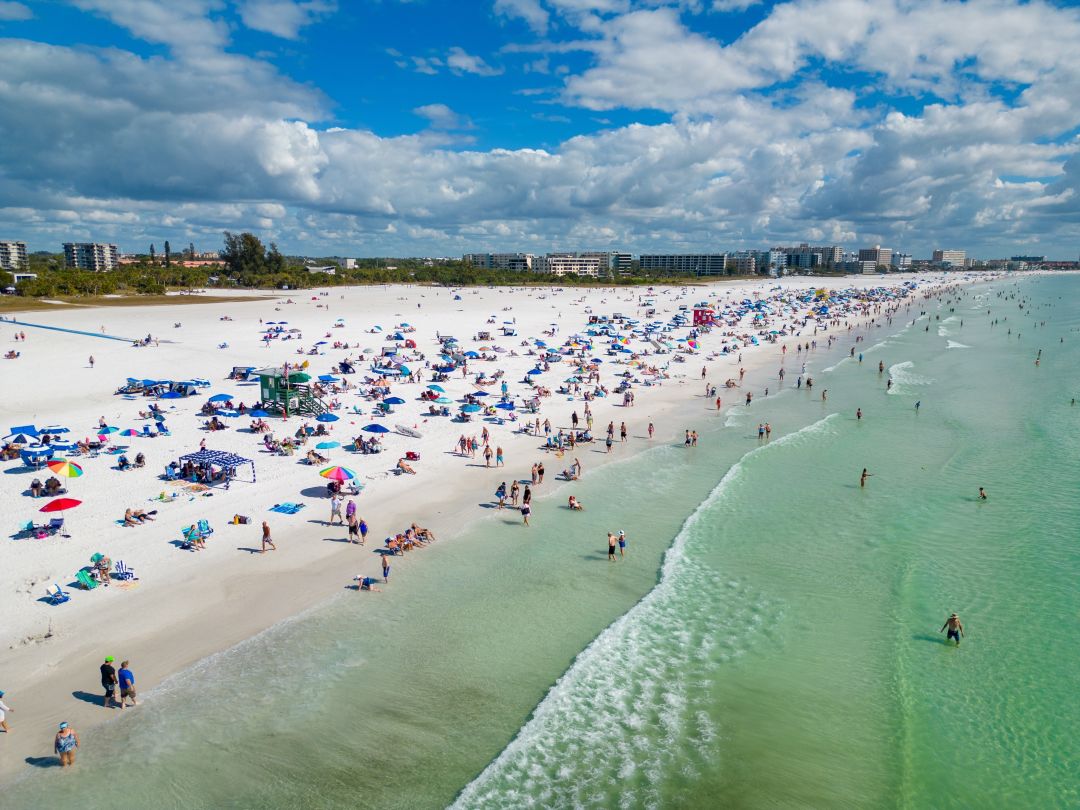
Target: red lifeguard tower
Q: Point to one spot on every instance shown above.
(704, 316)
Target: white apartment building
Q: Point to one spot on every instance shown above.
(684, 264)
(901, 262)
(743, 263)
(96, 256)
(561, 264)
(13, 255)
(955, 258)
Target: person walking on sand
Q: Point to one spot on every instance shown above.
(651, 430)
(266, 540)
(526, 510)
(4, 709)
(611, 547)
(65, 745)
(500, 493)
(863, 477)
(956, 629)
(108, 681)
(335, 509)
(354, 529)
(91, 361)
(540, 473)
(127, 684)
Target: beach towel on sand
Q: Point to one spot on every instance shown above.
(287, 508)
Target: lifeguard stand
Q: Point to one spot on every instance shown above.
(704, 316)
(287, 393)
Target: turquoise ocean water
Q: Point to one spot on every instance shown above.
(769, 641)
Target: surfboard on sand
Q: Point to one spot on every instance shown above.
(407, 431)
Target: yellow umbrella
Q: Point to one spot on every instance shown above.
(68, 469)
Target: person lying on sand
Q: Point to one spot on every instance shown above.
(405, 468)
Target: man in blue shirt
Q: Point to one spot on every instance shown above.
(127, 684)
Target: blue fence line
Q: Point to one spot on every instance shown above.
(71, 331)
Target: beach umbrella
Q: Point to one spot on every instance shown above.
(299, 377)
(337, 473)
(535, 371)
(327, 445)
(32, 456)
(129, 432)
(444, 400)
(375, 429)
(480, 393)
(68, 469)
(438, 388)
(60, 505)
(404, 371)
(394, 401)
(20, 438)
(327, 378)
(472, 354)
(220, 398)
(470, 408)
(320, 343)
(505, 406)
(326, 417)
(55, 430)
(108, 429)
(228, 414)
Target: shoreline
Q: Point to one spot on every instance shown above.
(177, 631)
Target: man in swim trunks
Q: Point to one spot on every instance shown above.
(956, 629)
(365, 584)
(611, 547)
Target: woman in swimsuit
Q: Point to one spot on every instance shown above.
(65, 744)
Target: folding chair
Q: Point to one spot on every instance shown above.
(56, 594)
(86, 580)
(123, 572)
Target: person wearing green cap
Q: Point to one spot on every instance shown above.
(108, 681)
(65, 744)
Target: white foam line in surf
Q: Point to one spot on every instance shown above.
(620, 688)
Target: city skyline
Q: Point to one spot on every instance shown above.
(401, 129)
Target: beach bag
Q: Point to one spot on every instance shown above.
(239, 519)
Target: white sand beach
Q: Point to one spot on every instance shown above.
(185, 605)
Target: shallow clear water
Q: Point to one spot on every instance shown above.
(785, 652)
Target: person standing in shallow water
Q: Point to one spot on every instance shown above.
(956, 629)
(863, 477)
(65, 744)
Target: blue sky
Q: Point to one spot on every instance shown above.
(437, 128)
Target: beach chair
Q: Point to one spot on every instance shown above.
(203, 528)
(55, 526)
(146, 432)
(171, 474)
(87, 581)
(190, 535)
(56, 594)
(123, 572)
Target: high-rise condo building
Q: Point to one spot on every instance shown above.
(96, 256)
(13, 255)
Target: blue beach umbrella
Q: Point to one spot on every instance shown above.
(404, 371)
(480, 393)
(220, 398)
(374, 429)
(444, 400)
(394, 401)
(505, 406)
(327, 445)
(326, 417)
(535, 371)
(438, 388)
(470, 408)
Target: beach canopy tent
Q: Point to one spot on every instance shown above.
(229, 462)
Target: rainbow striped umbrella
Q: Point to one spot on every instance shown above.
(68, 469)
(337, 473)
